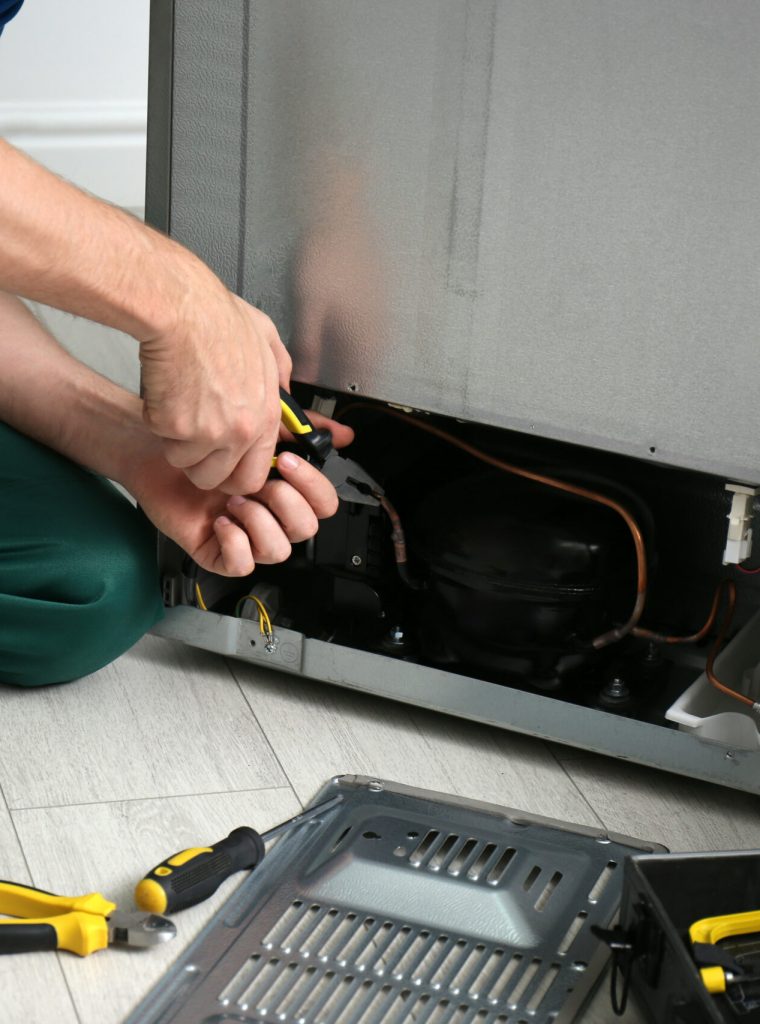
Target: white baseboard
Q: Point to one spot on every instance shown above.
(98, 145)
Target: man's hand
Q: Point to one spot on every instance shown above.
(211, 362)
(227, 534)
(210, 388)
(101, 426)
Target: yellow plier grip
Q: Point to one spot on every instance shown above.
(711, 930)
(44, 921)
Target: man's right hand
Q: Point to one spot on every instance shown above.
(210, 361)
(211, 389)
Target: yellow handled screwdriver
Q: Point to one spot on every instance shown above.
(350, 480)
(191, 876)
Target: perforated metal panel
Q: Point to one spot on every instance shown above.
(400, 905)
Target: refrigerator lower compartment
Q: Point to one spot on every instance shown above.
(478, 700)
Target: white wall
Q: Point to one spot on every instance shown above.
(73, 94)
(73, 91)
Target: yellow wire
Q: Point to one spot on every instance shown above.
(265, 623)
(199, 597)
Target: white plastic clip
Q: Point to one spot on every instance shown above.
(739, 539)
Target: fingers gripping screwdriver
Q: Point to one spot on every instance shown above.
(192, 875)
(317, 442)
(350, 480)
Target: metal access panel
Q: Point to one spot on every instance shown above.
(401, 905)
(529, 213)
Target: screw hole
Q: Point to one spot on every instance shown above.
(652, 449)
(353, 387)
(412, 835)
(253, 643)
(371, 835)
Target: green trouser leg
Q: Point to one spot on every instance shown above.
(78, 573)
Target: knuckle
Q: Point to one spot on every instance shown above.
(266, 322)
(274, 550)
(248, 481)
(283, 550)
(245, 429)
(329, 506)
(308, 528)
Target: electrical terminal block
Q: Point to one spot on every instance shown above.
(739, 538)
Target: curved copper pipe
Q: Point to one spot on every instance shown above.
(694, 638)
(612, 635)
(709, 670)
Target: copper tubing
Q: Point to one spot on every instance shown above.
(730, 588)
(397, 533)
(612, 635)
(650, 634)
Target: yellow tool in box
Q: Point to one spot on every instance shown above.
(41, 921)
(707, 933)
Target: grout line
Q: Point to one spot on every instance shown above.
(574, 783)
(18, 837)
(74, 1006)
(263, 732)
(31, 882)
(163, 796)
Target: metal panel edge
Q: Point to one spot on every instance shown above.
(160, 82)
(533, 714)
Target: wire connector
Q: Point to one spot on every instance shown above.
(739, 538)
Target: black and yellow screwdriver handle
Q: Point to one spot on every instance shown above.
(190, 876)
(318, 442)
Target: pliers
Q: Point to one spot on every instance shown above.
(80, 924)
(351, 482)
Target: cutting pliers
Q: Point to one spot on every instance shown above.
(348, 478)
(80, 924)
(719, 966)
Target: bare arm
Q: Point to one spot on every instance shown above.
(210, 361)
(50, 396)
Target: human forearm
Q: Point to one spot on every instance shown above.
(210, 361)
(67, 249)
(47, 394)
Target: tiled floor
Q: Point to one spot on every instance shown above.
(171, 746)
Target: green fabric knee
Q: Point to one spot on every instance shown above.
(78, 572)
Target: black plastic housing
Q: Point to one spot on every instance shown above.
(663, 895)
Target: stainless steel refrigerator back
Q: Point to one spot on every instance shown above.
(528, 213)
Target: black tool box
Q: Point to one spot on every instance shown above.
(663, 896)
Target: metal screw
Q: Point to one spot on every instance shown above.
(616, 689)
(356, 559)
(396, 636)
(374, 786)
(730, 755)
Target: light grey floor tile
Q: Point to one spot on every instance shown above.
(107, 848)
(33, 989)
(163, 720)
(318, 731)
(681, 813)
